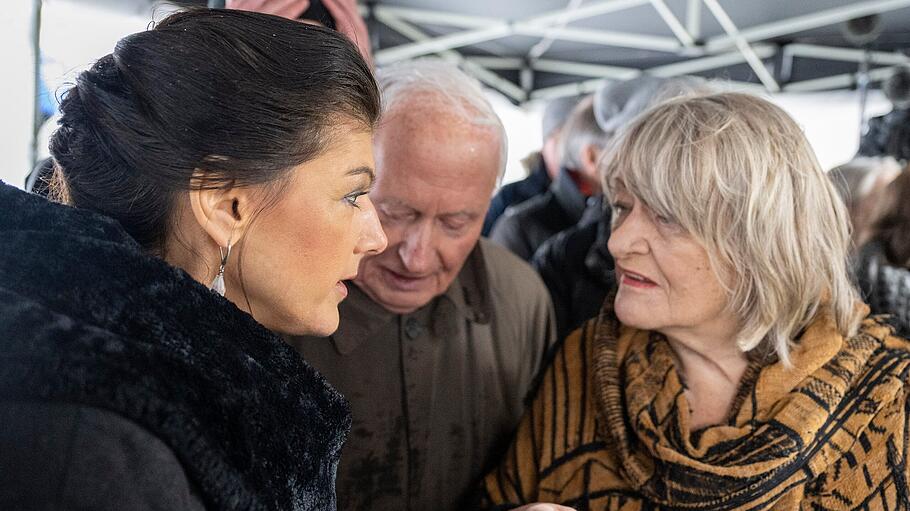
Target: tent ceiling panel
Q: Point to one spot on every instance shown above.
(388, 36)
(486, 8)
(738, 40)
(513, 46)
(509, 46)
(639, 58)
(640, 20)
(810, 69)
(623, 36)
(737, 72)
(894, 23)
(543, 80)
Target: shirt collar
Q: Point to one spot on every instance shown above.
(468, 296)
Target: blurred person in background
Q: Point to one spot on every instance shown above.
(883, 263)
(860, 184)
(443, 334)
(735, 367)
(575, 264)
(215, 172)
(542, 166)
(889, 134)
(341, 15)
(525, 226)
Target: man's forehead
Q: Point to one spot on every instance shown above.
(438, 160)
(437, 119)
(427, 205)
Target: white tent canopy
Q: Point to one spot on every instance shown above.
(533, 50)
(542, 49)
(538, 49)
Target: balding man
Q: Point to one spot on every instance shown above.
(443, 333)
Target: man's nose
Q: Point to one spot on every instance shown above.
(416, 250)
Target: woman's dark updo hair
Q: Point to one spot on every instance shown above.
(241, 96)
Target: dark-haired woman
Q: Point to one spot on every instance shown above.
(215, 172)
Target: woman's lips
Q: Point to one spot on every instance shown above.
(637, 280)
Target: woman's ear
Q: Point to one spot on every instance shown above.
(223, 213)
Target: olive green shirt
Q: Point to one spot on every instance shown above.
(435, 394)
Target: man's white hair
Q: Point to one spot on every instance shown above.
(433, 79)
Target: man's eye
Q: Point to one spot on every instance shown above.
(398, 216)
(454, 226)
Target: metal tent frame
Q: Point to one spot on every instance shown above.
(753, 45)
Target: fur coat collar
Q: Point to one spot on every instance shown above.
(86, 317)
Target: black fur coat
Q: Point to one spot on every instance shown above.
(87, 318)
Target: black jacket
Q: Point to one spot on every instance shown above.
(884, 287)
(524, 227)
(535, 184)
(577, 268)
(125, 384)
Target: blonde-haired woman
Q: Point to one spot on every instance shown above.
(735, 368)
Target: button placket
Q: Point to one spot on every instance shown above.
(412, 328)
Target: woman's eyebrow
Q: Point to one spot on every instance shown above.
(362, 170)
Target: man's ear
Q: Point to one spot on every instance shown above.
(223, 213)
(590, 156)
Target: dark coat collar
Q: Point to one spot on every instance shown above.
(568, 196)
(537, 171)
(885, 287)
(598, 260)
(468, 297)
(86, 317)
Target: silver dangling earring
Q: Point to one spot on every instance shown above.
(218, 284)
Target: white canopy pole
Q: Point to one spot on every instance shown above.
(754, 61)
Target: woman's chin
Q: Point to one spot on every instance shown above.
(321, 324)
(631, 315)
(324, 324)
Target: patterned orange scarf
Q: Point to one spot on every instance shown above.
(608, 429)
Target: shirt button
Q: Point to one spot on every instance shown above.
(412, 328)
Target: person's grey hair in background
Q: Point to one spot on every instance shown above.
(897, 88)
(616, 104)
(555, 115)
(597, 118)
(432, 79)
(580, 131)
(859, 183)
(855, 179)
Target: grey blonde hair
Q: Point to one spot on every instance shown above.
(738, 174)
(433, 79)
